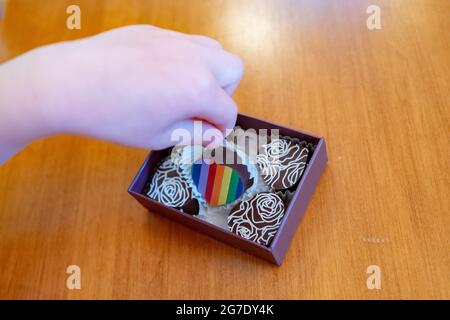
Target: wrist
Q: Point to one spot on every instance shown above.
(24, 114)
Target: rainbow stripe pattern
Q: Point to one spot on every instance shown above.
(219, 184)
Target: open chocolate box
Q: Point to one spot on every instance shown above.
(294, 208)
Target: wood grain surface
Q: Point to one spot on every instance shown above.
(381, 98)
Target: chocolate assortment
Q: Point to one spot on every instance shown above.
(245, 195)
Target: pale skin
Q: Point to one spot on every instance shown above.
(133, 85)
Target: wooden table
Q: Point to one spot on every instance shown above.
(381, 98)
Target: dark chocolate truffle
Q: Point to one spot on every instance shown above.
(257, 219)
(282, 162)
(168, 187)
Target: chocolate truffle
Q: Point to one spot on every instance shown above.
(220, 176)
(219, 184)
(168, 187)
(282, 162)
(257, 219)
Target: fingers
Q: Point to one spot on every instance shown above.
(207, 77)
(216, 107)
(206, 41)
(227, 68)
(188, 132)
(215, 110)
(199, 39)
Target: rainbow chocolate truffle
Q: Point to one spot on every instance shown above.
(219, 184)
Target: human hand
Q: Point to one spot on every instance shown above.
(133, 85)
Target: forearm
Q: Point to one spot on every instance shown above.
(22, 115)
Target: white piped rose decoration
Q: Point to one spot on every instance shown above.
(282, 163)
(258, 219)
(168, 187)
